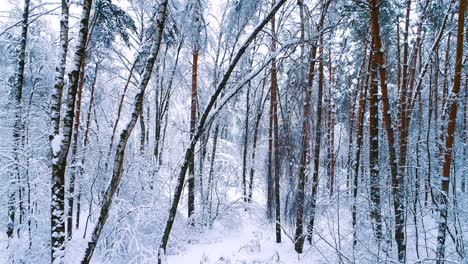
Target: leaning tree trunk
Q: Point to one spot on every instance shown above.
(125, 134)
(17, 127)
(443, 201)
(201, 127)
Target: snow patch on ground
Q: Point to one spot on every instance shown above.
(253, 241)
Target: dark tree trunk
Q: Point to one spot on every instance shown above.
(374, 168)
(397, 187)
(15, 176)
(276, 144)
(318, 141)
(245, 147)
(193, 122)
(449, 140)
(305, 148)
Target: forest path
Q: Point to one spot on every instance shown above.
(251, 241)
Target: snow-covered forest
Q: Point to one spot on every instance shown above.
(233, 131)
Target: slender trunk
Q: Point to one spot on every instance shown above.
(201, 127)
(125, 134)
(364, 83)
(318, 141)
(331, 129)
(85, 144)
(143, 131)
(73, 170)
(210, 175)
(60, 141)
(305, 148)
(443, 202)
(193, 122)
(119, 111)
(276, 144)
(246, 144)
(260, 108)
(270, 186)
(376, 213)
(310, 225)
(15, 176)
(465, 136)
(397, 182)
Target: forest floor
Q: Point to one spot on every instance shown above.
(252, 240)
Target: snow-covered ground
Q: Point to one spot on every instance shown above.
(252, 241)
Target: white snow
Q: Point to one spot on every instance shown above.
(56, 143)
(252, 241)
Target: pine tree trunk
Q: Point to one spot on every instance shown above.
(374, 167)
(305, 148)
(193, 122)
(270, 181)
(331, 128)
(449, 140)
(318, 141)
(397, 187)
(310, 225)
(276, 144)
(364, 83)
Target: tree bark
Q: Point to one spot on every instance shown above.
(201, 127)
(318, 140)
(445, 177)
(125, 134)
(276, 144)
(60, 141)
(245, 147)
(305, 148)
(193, 122)
(15, 176)
(374, 168)
(397, 181)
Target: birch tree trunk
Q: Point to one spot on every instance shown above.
(117, 170)
(60, 140)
